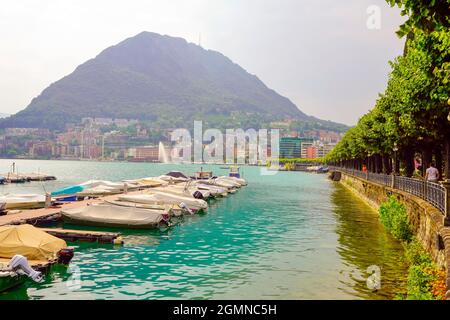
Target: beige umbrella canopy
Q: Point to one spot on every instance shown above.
(28, 241)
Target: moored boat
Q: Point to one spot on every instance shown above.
(158, 197)
(40, 248)
(22, 201)
(110, 215)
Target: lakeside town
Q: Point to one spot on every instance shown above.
(130, 140)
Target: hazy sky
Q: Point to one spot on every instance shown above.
(318, 53)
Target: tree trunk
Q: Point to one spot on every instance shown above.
(386, 166)
(408, 161)
(427, 157)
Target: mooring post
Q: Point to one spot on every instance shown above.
(446, 185)
(48, 200)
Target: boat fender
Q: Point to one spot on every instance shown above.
(198, 195)
(65, 255)
(20, 265)
(118, 241)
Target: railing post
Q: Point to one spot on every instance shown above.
(393, 181)
(446, 185)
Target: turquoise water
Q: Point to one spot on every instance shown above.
(291, 235)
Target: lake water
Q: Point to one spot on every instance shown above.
(291, 235)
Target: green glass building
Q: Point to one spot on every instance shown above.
(291, 147)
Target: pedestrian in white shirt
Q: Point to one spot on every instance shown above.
(432, 174)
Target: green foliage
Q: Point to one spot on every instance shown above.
(412, 111)
(425, 280)
(415, 254)
(394, 217)
(301, 160)
(427, 15)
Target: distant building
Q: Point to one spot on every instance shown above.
(311, 152)
(147, 153)
(41, 149)
(17, 132)
(306, 144)
(290, 147)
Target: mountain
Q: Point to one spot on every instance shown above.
(160, 79)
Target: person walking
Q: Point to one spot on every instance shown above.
(432, 174)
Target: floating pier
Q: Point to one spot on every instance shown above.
(85, 236)
(12, 177)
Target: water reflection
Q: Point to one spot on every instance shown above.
(363, 242)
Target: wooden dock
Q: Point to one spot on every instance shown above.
(44, 216)
(12, 177)
(85, 236)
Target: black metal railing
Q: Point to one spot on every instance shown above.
(434, 193)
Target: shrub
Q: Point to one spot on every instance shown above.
(425, 280)
(395, 219)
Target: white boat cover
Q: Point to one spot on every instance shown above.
(158, 197)
(118, 216)
(22, 201)
(240, 181)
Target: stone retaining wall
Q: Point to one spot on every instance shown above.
(427, 222)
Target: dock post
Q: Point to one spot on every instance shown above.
(446, 185)
(48, 200)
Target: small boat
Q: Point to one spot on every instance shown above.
(22, 201)
(2, 180)
(39, 247)
(239, 181)
(10, 279)
(173, 210)
(226, 184)
(234, 172)
(16, 272)
(202, 175)
(159, 197)
(216, 191)
(109, 215)
(174, 176)
(230, 187)
(68, 191)
(317, 169)
(147, 182)
(98, 191)
(186, 190)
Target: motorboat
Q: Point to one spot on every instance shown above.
(234, 172)
(174, 177)
(216, 191)
(173, 210)
(22, 201)
(239, 181)
(110, 215)
(230, 187)
(16, 272)
(202, 175)
(147, 182)
(98, 191)
(159, 197)
(186, 190)
(39, 247)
